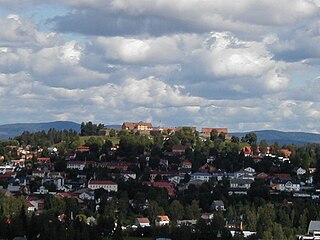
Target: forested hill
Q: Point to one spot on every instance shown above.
(271, 136)
(13, 130)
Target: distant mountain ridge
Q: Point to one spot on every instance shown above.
(13, 130)
(272, 136)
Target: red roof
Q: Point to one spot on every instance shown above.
(179, 148)
(219, 130)
(143, 220)
(7, 175)
(134, 125)
(163, 218)
(102, 182)
(283, 176)
(83, 149)
(285, 152)
(166, 185)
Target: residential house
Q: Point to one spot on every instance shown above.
(285, 153)
(85, 194)
(201, 176)
(207, 168)
(104, 132)
(20, 163)
(250, 170)
(247, 151)
(120, 165)
(128, 175)
(313, 231)
(244, 174)
(82, 149)
(283, 185)
(207, 216)
(79, 165)
(169, 186)
(137, 126)
(39, 173)
(219, 175)
(42, 191)
(301, 171)
(218, 205)
(106, 185)
(14, 187)
(163, 174)
(34, 204)
(186, 164)
(205, 132)
(211, 159)
(142, 222)
(262, 176)
(240, 186)
(179, 149)
(187, 222)
(162, 220)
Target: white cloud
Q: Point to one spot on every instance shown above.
(17, 31)
(148, 51)
(275, 81)
(231, 57)
(153, 60)
(205, 12)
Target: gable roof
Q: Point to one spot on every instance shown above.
(313, 226)
(163, 218)
(218, 203)
(219, 130)
(143, 220)
(101, 182)
(134, 125)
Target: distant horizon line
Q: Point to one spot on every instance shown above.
(119, 124)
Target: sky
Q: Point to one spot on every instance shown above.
(245, 65)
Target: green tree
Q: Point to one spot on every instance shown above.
(250, 138)
(176, 210)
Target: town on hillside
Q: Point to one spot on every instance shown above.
(145, 182)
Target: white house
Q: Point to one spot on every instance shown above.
(207, 216)
(79, 165)
(218, 205)
(201, 176)
(290, 186)
(106, 185)
(86, 196)
(301, 171)
(313, 231)
(240, 186)
(285, 185)
(162, 220)
(142, 222)
(241, 183)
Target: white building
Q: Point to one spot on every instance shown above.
(106, 185)
(201, 176)
(162, 220)
(79, 165)
(142, 222)
(301, 171)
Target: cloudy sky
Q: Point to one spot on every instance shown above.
(245, 64)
